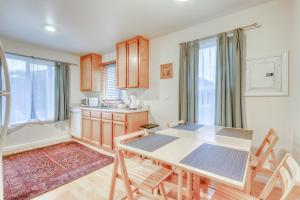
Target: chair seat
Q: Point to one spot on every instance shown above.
(148, 175)
(224, 193)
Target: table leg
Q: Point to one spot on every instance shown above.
(197, 185)
(124, 174)
(113, 179)
(248, 181)
(179, 189)
(189, 185)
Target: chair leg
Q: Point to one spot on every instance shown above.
(113, 179)
(253, 175)
(125, 177)
(163, 192)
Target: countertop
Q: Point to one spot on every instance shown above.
(113, 110)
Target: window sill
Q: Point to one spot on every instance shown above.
(15, 127)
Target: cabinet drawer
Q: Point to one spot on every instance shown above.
(86, 113)
(96, 114)
(106, 115)
(119, 117)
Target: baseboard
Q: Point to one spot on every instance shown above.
(32, 145)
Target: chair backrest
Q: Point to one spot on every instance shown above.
(130, 137)
(173, 124)
(288, 175)
(266, 149)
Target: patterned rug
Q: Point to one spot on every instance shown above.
(28, 174)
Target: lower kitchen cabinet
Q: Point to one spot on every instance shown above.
(96, 131)
(100, 128)
(86, 128)
(119, 128)
(107, 127)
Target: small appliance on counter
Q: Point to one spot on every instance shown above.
(133, 105)
(84, 102)
(93, 102)
(90, 102)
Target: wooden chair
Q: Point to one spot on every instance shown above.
(145, 176)
(264, 160)
(287, 174)
(172, 124)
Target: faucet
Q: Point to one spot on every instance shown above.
(105, 105)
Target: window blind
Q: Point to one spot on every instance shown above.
(111, 92)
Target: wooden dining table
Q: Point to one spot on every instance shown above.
(216, 153)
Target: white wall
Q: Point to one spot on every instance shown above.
(109, 57)
(295, 93)
(22, 48)
(271, 39)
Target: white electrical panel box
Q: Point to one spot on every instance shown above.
(267, 76)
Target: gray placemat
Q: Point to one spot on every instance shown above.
(188, 127)
(237, 133)
(151, 142)
(223, 161)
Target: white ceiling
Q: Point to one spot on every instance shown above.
(96, 25)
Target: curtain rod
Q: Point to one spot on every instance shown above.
(17, 54)
(245, 28)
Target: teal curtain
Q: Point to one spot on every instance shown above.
(188, 81)
(62, 91)
(229, 80)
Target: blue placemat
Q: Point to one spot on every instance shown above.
(188, 127)
(223, 161)
(151, 142)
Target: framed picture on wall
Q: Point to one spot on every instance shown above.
(166, 71)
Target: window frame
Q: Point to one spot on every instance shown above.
(30, 61)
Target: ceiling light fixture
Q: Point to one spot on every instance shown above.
(50, 28)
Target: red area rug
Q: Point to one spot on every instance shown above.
(28, 174)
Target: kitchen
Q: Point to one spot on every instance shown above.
(108, 117)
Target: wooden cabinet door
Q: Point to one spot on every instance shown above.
(86, 128)
(96, 72)
(121, 64)
(143, 63)
(119, 128)
(107, 133)
(86, 73)
(135, 120)
(97, 79)
(133, 63)
(96, 131)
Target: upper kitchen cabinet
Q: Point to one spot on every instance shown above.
(121, 64)
(133, 63)
(90, 72)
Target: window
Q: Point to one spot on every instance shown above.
(110, 91)
(207, 76)
(32, 89)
